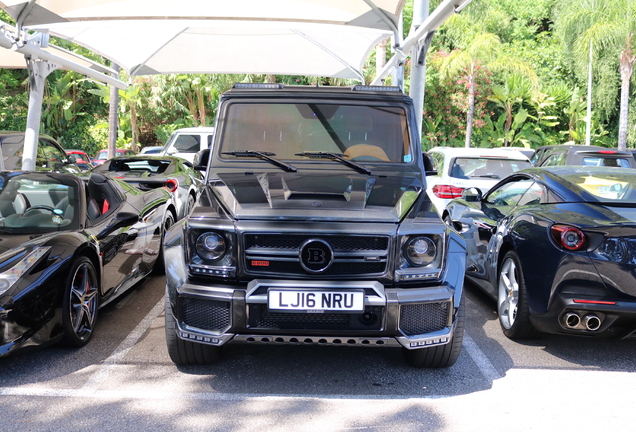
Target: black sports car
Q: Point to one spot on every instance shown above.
(556, 248)
(149, 172)
(69, 246)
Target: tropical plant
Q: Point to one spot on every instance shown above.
(610, 28)
(516, 91)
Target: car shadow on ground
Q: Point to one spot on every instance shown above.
(115, 321)
(556, 351)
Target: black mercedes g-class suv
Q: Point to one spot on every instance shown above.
(314, 228)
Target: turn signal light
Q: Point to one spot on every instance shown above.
(447, 191)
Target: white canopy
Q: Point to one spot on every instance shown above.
(296, 37)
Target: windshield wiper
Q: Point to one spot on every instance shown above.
(339, 157)
(264, 156)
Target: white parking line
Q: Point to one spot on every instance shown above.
(104, 371)
(92, 385)
(487, 369)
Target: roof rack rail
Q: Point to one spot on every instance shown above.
(258, 86)
(377, 88)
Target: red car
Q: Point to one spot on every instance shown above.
(102, 155)
(81, 159)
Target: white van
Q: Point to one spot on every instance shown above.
(186, 142)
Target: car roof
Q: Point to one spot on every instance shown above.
(579, 147)
(4, 134)
(149, 157)
(479, 152)
(204, 129)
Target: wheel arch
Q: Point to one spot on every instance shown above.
(92, 255)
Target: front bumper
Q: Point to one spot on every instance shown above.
(411, 318)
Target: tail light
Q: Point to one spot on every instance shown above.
(171, 185)
(567, 237)
(447, 191)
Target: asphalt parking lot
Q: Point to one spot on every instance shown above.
(124, 381)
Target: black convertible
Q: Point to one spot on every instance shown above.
(69, 246)
(149, 172)
(556, 247)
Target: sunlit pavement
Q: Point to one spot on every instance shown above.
(124, 380)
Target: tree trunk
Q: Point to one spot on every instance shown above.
(471, 109)
(626, 68)
(380, 56)
(192, 107)
(201, 100)
(133, 128)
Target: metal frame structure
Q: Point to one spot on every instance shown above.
(40, 62)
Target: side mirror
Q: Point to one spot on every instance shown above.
(429, 165)
(172, 151)
(70, 159)
(472, 194)
(201, 160)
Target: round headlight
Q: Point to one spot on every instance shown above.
(420, 251)
(210, 246)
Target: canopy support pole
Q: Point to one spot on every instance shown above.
(418, 60)
(40, 63)
(432, 22)
(38, 71)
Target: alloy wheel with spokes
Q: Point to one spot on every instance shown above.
(81, 303)
(508, 295)
(512, 300)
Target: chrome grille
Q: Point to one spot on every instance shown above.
(205, 314)
(423, 318)
(261, 318)
(278, 254)
(338, 243)
(291, 267)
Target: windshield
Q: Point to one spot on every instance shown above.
(605, 161)
(359, 133)
(606, 187)
(486, 167)
(38, 203)
(139, 165)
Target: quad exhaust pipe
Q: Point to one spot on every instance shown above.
(573, 320)
(592, 322)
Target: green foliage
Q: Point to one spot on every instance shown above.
(494, 42)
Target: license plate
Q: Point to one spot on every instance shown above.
(315, 301)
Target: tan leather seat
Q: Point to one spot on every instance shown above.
(361, 150)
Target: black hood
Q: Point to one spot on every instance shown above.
(316, 196)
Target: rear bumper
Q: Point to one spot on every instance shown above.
(617, 318)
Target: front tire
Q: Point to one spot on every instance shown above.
(442, 356)
(512, 300)
(80, 303)
(185, 352)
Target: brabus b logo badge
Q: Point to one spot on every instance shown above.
(315, 256)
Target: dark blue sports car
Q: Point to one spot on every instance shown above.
(556, 247)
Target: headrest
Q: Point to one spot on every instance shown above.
(97, 178)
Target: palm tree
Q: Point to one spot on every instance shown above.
(610, 26)
(477, 49)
